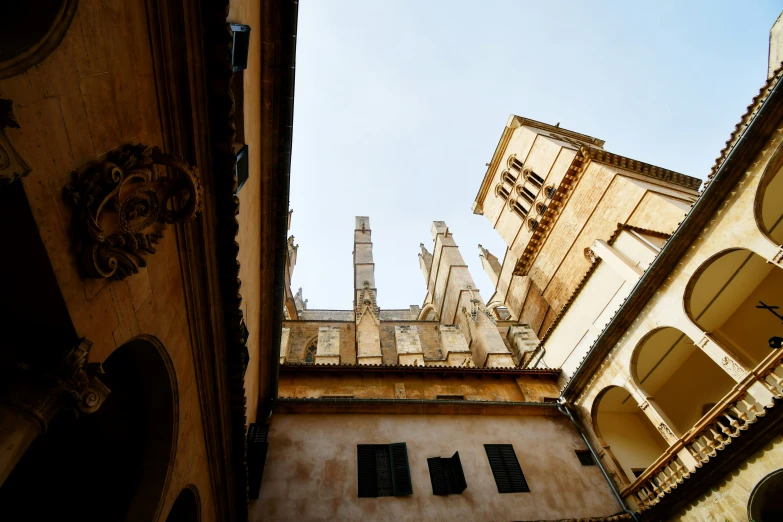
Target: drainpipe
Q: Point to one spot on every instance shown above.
(563, 407)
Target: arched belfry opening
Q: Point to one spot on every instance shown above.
(732, 297)
(114, 464)
(682, 380)
(625, 432)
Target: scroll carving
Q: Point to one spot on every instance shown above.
(124, 204)
(70, 384)
(12, 166)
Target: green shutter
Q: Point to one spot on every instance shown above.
(401, 474)
(367, 473)
(440, 484)
(505, 468)
(459, 484)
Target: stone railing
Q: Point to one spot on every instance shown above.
(716, 430)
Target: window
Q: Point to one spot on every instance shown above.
(383, 470)
(550, 191)
(505, 468)
(526, 193)
(585, 457)
(514, 163)
(637, 472)
(550, 399)
(532, 224)
(257, 446)
(450, 397)
(541, 208)
(310, 353)
(535, 179)
(446, 475)
(518, 208)
(508, 178)
(240, 46)
(502, 191)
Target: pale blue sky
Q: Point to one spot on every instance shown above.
(399, 105)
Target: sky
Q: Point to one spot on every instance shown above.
(400, 104)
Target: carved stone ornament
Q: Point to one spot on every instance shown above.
(666, 431)
(72, 384)
(124, 204)
(12, 166)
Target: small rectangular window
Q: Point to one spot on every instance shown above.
(450, 397)
(505, 468)
(446, 475)
(550, 399)
(585, 457)
(637, 472)
(383, 470)
(240, 47)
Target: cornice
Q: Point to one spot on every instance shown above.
(493, 166)
(393, 368)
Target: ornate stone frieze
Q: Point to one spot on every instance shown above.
(12, 166)
(71, 384)
(124, 204)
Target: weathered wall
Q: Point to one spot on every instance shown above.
(311, 473)
(373, 385)
(728, 500)
(302, 332)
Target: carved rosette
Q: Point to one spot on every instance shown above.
(72, 384)
(124, 204)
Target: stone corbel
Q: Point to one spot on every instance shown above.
(124, 204)
(72, 384)
(12, 165)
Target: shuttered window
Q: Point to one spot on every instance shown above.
(257, 446)
(505, 468)
(383, 470)
(585, 457)
(446, 475)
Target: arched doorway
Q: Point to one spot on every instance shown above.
(112, 465)
(684, 382)
(766, 499)
(187, 507)
(769, 200)
(631, 438)
(723, 298)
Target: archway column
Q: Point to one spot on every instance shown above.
(654, 413)
(726, 361)
(33, 396)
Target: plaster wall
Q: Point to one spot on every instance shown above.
(632, 439)
(311, 473)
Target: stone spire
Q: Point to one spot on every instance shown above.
(425, 261)
(368, 338)
(490, 263)
(455, 297)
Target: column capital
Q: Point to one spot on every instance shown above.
(72, 383)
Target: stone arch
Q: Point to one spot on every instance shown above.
(32, 32)
(290, 308)
(768, 204)
(428, 313)
(766, 499)
(123, 453)
(722, 299)
(187, 506)
(684, 381)
(625, 433)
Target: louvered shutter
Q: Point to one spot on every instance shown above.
(401, 475)
(495, 458)
(518, 482)
(459, 484)
(367, 473)
(438, 475)
(257, 446)
(505, 468)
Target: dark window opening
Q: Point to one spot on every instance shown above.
(550, 191)
(519, 209)
(505, 468)
(450, 397)
(310, 353)
(501, 191)
(535, 179)
(383, 470)
(446, 475)
(532, 224)
(637, 472)
(526, 194)
(585, 457)
(508, 178)
(541, 208)
(550, 399)
(240, 47)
